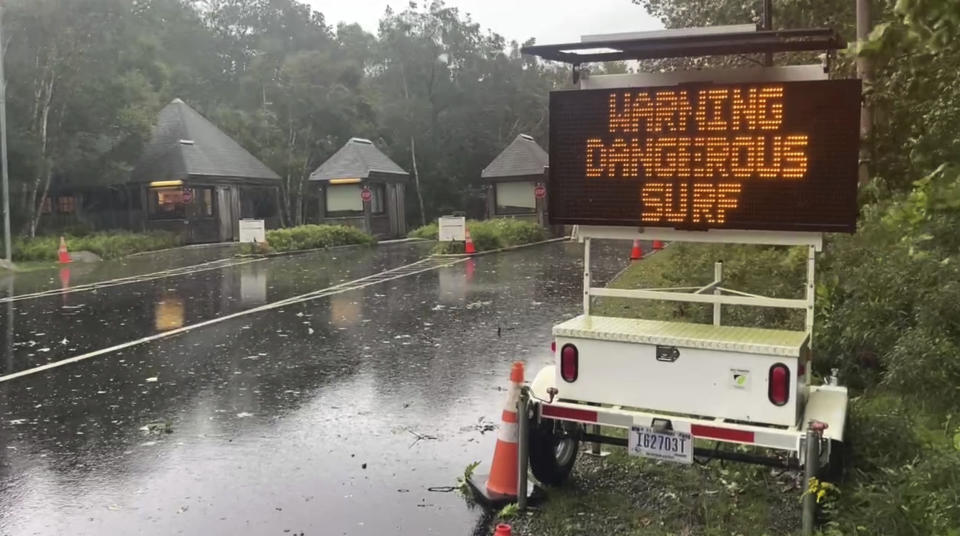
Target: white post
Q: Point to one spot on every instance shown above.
(717, 280)
(811, 289)
(586, 276)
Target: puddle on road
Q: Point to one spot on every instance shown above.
(328, 417)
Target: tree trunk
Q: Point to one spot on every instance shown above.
(416, 179)
(41, 184)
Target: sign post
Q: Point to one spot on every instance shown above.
(775, 156)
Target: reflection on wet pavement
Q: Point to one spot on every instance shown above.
(304, 419)
(52, 328)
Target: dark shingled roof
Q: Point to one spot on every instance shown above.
(184, 143)
(357, 159)
(522, 157)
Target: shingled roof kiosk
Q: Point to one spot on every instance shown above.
(196, 181)
(360, 186)
(764, 155)
(513, 179)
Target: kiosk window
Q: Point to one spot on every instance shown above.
(166, 204)
(515, 197)
(344, 198)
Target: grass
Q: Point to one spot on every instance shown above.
(630, 496)
(487, 235)
(106, 244)
(316, 236)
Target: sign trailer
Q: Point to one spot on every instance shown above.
(751, 156)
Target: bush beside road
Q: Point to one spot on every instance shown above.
(316, 237)
(487, 235)
(107, 244)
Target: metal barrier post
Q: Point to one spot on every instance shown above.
(810, 468)
(523, 415)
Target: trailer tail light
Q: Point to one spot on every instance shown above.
(553, 346)
(779, 386)
(569, 363)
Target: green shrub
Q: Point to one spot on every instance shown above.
(426, 232)
(495, 234)
(316, 236)
(106, 244)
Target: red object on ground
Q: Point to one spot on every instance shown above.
(540, 191)
(64, 256)
(657, 245)
(366, 195)
(636, 253)
(469, 249)
(503, 470)
(503, 530)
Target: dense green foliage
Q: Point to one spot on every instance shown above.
(439, 94)
(108, 245)
(316, 236)
(487, 235)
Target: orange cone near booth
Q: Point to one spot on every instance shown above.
(62, 254)
(469, 249)
(636, 253)
(503, 470)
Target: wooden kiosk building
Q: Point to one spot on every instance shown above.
(359, 171)
(512, 178)
(196, 181)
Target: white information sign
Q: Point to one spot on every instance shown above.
(452, 228)
(252, 231)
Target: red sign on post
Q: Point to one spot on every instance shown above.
(540, 192)
(366, 194)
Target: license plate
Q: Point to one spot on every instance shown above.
(667, 445)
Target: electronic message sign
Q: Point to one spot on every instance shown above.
(764, 156)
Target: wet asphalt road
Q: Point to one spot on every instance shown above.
(301, 419)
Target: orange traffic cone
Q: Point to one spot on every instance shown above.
(636, 253)
(503, 470)
(500, 486)
(657, 245)
(62, 252)
(469, 249)
(503, 530)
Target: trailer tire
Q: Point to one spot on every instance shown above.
(553, 449)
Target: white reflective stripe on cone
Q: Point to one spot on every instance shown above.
(509, 432)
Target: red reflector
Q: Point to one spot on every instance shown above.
(569, 413)
(699, 430)
(779, 388)
(801, 370)
(553, 346)
(569, 363)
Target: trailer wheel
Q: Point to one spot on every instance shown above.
(553, 449)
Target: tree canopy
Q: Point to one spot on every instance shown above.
(438, 93)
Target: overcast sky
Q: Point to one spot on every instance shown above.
(549, 21)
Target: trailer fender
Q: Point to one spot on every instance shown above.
(544, 380)
(827, 404)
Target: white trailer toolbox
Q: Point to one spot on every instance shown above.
(735, 373)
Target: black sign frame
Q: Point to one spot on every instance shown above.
(824, 199)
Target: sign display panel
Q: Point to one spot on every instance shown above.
(758, 156)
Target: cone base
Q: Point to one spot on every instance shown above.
(478, 484)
